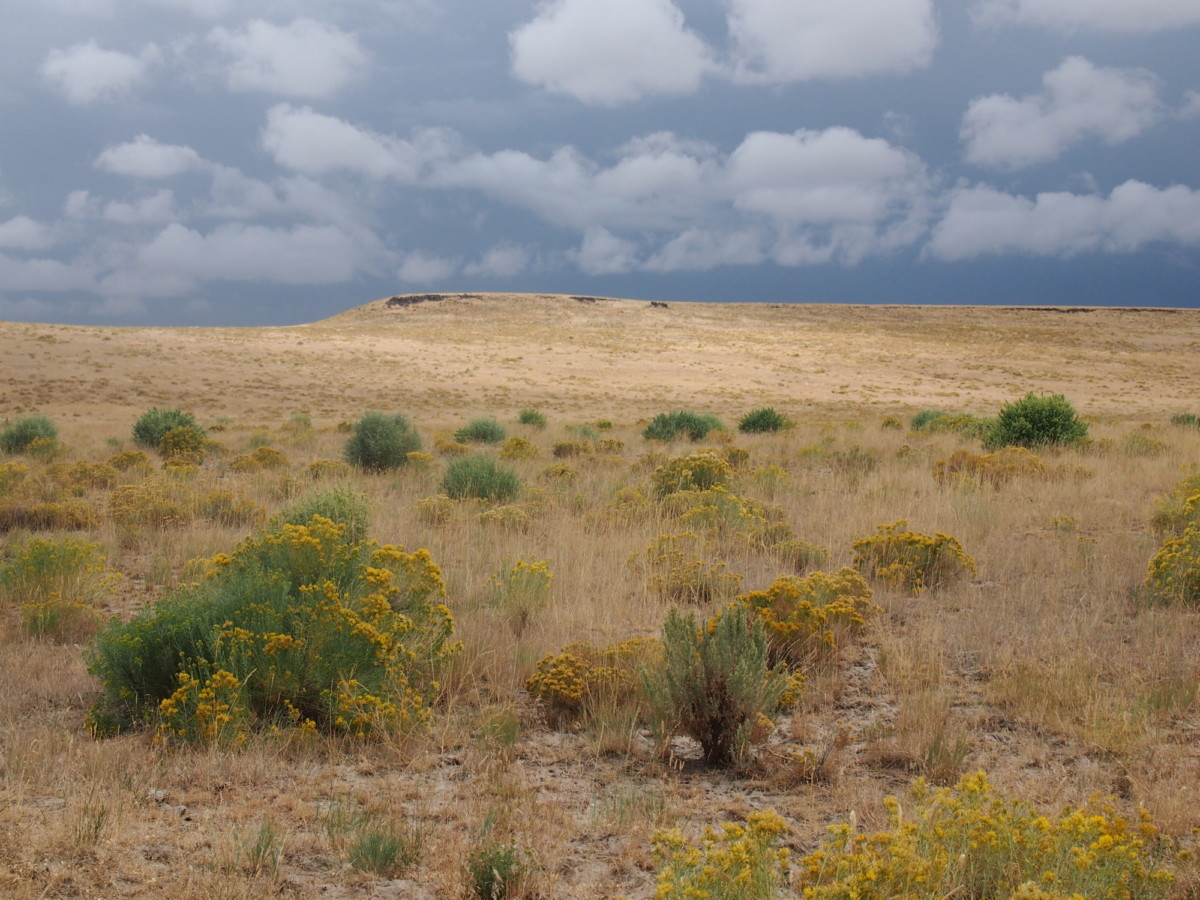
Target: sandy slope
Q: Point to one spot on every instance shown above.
(500, 352)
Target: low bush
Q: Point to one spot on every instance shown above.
(763, 420)
(681, 572)
(530, 416)
(59, 585)
(16, 437)
(260, 459)
(229, 508)
(807, 618)
(496, 871)
(518, 448)
(911, 560)
(922, 420)
(1176, 510)
(715, 684)
(583, 680)
(993, 468)
(571, 449)
(480, 477)
(154, 423)
(970, 841)
(183, 444)
(1186, 420)
(1174, 575)
(671, 426)
(381, 442)
(481, 431)
(697, 472)
(519, 591)
(297, 628)
(341, 505)
(734, 862)
(1036, 421)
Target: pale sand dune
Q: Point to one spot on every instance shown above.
(500, 352)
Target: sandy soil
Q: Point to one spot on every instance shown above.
(500, 352)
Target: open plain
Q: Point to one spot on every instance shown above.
(1047, 667)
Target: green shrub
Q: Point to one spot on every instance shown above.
(968, 841)
(496, 871)
(481, 431)
(1036, 421)
(17, 436)
(297, 628)
(154, 423)
(381, 442)
(1186, 420)
(384, 848)
(715, 684)
(480, 477)
(764, 419)
(670, 426)
(342, 505)
(697, 472)
(922, 420)
(530, 416)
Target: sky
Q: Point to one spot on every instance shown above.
(253, 162)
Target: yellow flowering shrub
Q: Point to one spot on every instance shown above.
(680, 574)
(259, 459)
(518, 448)
(329, 468)
(229, 508)
(156, 502)
(519, 591)
(297, 628)
(969, 841)
(130, 460)
(581, 677)
(696, 472)
(992, 468)
(1174, 575)
(58, 585)
(811, 616)
(911, 560)
(184, 443)
(732, 862)
(1179, 508)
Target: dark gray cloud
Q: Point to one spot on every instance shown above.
(210, 161)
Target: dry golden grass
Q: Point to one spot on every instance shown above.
(1045, 669)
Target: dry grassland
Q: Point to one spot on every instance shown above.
(1045, 669)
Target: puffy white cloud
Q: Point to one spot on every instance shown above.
(786, 40)
(40, 274)
(304, 59)
(87, 72)
(502, 261)
(1190, 108)
(1078, 100)
(158, 208)
(1096, 15)
(610, 52)
(201, 9)
(24, 233)
(316, 144)
(303, 254)
(700, 249)
(603, 253)
(144, 157)
(981, 221)
(425, 269)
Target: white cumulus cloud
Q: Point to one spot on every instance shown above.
(701, 249)
(304, 59)
(1078, 100)
(425, 269)
(603, 253)
(983, 221)
(314, 143)
(505, 260)
(609, 52)
(144, 157)
(86, 73)
(1127, 16)
(158, 208)
(24, 233)
(789, 40)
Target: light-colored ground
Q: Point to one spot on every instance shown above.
(500, 352)
(1045, 669)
